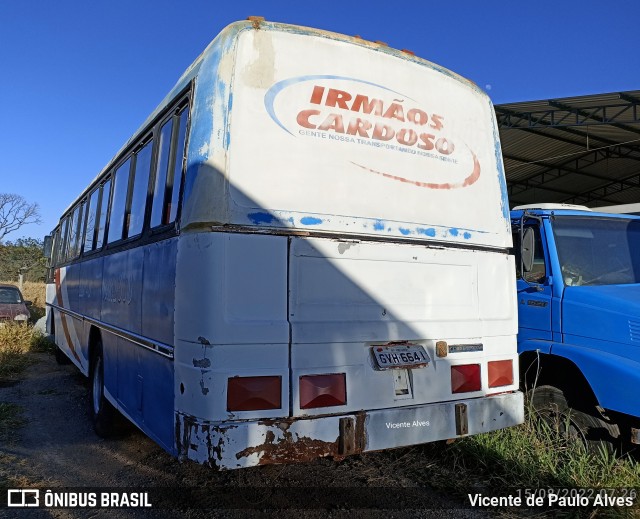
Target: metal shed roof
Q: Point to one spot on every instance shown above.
(577, 150)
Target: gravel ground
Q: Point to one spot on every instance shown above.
(57, 447)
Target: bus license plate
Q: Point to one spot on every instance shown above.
(405, 356)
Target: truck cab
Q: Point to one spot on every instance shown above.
(578, 287)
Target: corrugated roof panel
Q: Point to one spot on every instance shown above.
(585, 148)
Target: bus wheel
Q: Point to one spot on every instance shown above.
(107, 422)
(595, 434)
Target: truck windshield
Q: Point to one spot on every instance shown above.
(598, 250)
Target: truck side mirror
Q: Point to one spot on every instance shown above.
(528, 249)
(46, 248)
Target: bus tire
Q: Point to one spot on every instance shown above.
(107, 421)
(550, 405)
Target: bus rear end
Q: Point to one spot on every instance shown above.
(343, 282)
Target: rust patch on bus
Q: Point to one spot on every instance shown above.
(290, 449)
(213, 445)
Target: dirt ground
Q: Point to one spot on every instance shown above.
(57, 447)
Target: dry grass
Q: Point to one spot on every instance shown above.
(17, 340)
(15, 343)
(34, 292)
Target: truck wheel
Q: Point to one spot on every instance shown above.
(595, 434)
(107, 421)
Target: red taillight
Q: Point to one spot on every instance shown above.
(465, 378)
(500, 373)
(323, 390)
(253, 393)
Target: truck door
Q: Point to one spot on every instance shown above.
(534, 291)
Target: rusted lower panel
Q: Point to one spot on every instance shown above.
(248, 443)
(288, 448)
(268, 441)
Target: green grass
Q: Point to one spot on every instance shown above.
(534, 456)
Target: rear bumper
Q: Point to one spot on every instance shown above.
(245, 444)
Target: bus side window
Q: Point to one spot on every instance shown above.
(160, 188)
(176, 178)
(62, 251)
(77, 238)
(135, 219)
(119, 202)
(74, 230)
(105, 191)
(57, 247)
(92, 214)
(168, 177)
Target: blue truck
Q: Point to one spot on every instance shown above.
(578, 283)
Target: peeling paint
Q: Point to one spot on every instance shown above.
(289, 447)
(431, 232)
(274, 441)
(310, 220)
(201, 363)
(344, 246)
(261, 218)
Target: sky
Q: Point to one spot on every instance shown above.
(77, 78)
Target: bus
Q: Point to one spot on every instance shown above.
(302, 252)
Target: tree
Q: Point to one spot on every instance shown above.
(24, 256)
(15, 212)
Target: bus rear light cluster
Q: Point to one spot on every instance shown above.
(500, 373)
(323, 390)
(254, 393)
(465, 378)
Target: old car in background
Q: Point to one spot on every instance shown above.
(13, 307)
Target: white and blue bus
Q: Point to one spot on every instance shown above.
(302, 252)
